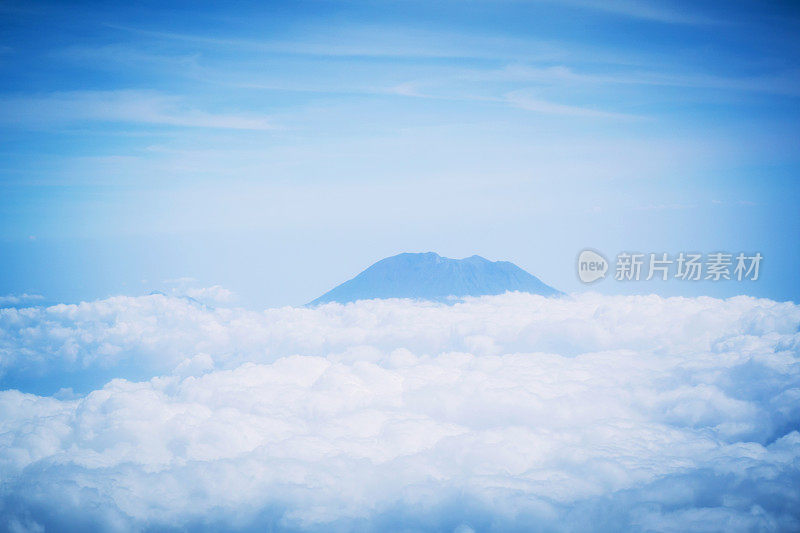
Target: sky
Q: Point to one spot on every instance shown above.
(274, 150)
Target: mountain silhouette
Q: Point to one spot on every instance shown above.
(429, 276)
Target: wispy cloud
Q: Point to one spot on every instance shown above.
(366, 41)
(642, 10)
(665, 207)
(524, 100)
(353, 41)
(16, 299)
(783, 82)
(140, 107)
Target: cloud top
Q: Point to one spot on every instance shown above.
(499, 413)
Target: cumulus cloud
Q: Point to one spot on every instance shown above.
(187, 287)
(498, 413)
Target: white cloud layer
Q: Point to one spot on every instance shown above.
(513, 412)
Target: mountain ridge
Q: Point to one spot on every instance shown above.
(429, 276)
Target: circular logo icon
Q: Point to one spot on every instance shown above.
(591, 266)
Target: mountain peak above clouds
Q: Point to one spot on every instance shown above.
(429, 276)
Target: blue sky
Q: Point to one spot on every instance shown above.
(279, 148)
